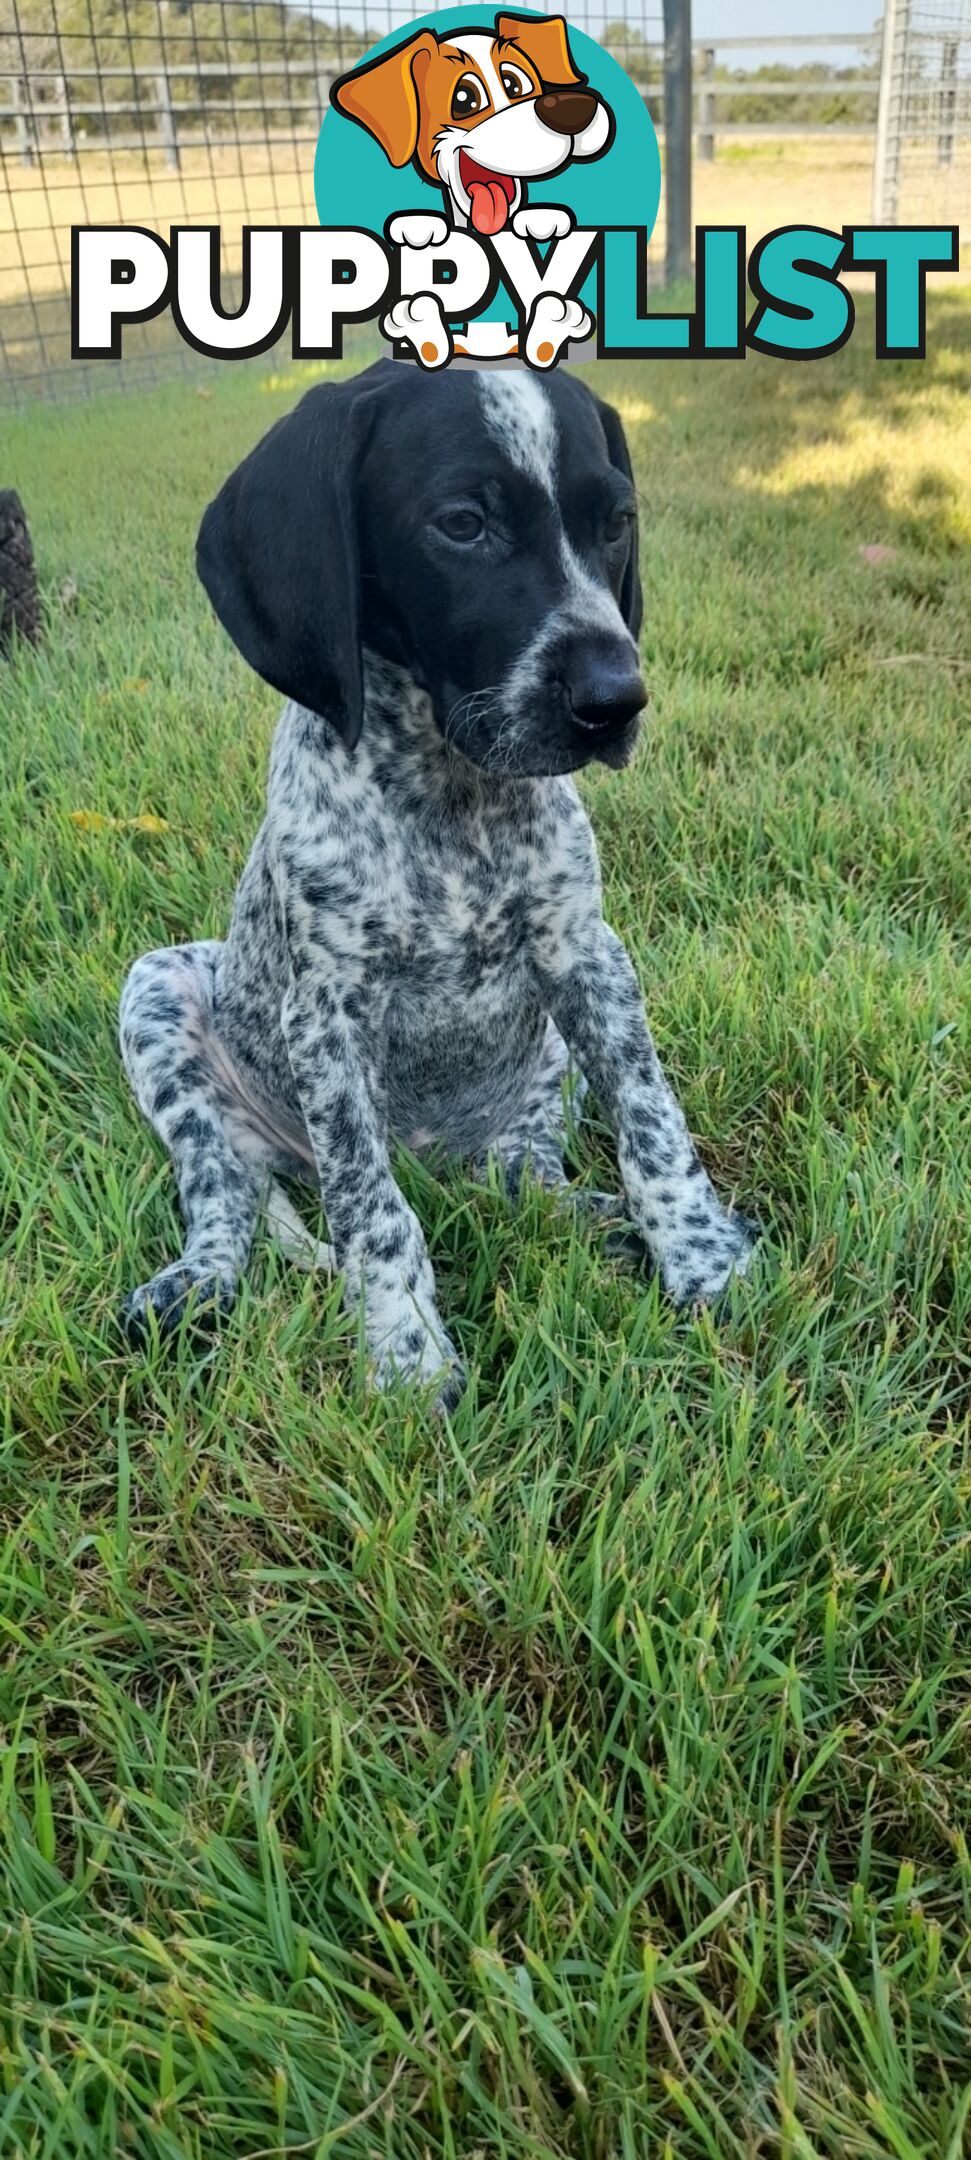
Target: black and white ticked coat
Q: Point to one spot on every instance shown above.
(417, 952)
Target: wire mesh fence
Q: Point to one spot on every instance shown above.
(922, 168)
(152, 112)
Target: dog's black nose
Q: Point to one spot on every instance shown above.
(567, 112)
(607, 700)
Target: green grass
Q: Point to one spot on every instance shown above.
(589, 1774)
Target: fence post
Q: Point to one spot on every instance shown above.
(706, 105)
(949, 98)
(894, 65)
(22, 131)
(677, 137)
(63, 112)
(166, 122)
(323, 92)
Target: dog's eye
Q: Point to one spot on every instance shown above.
(467, 98)
(464, 527)
(618, 526)
(514, 84)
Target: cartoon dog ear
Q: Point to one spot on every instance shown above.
(383, 97)
(277, 554)
(631, 597)
(545, 42)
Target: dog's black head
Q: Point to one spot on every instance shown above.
(479, 529)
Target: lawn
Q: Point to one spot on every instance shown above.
(587, 1774)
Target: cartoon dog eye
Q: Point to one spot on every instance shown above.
(515, 84)
(468, 97)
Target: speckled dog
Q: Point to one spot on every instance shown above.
(441, 577)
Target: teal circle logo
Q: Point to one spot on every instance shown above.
(365, 170)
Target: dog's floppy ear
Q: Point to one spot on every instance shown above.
(383, 97)
(545, 43)
(277, 554)
(631, 597)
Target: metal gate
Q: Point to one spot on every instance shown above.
(922, 165)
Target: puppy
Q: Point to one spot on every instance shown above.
(442, 580)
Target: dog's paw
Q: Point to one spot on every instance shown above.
(553, 323)
(452, 1389)
(421, 1356)
(419, 322)
(417, 229)
(707, 1257)
(543, 221)
(622, 1241)
(625, 1244)
(178, 1293)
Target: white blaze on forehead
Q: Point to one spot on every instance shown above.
(479, 47)
(519, 417)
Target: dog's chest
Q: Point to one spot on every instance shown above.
(464, 1022)
(461, 932)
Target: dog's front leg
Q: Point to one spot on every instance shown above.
(377, 1237)
(595, 1001)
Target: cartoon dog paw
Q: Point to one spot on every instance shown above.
(543, 221)
(419, 322)
(553, 323)
(416, 229)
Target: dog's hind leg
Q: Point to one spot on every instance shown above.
(294, 1238)
(222, 1165)
(537, 1139)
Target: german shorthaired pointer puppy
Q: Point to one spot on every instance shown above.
(440, 575)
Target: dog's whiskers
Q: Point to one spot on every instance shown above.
(475, 705)
(502, 749)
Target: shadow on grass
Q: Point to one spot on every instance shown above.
(850, 440)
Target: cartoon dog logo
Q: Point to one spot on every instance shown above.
(480, 114)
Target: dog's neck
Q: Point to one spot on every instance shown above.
(399, 716)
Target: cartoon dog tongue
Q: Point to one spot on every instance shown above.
(489, 205)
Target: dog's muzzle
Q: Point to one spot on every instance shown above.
(603, 692)
(567, 112)
(606, 699)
